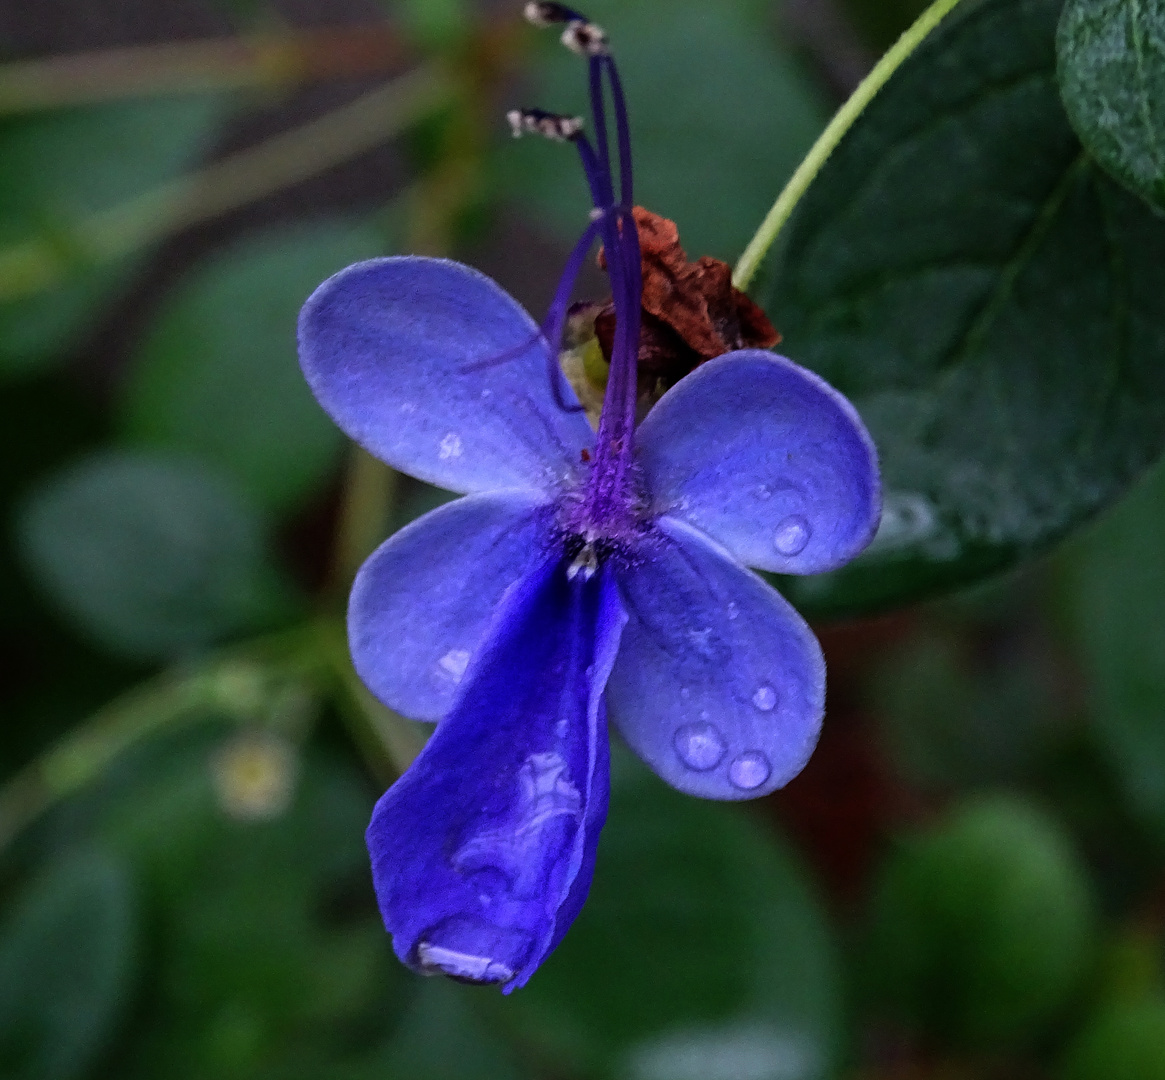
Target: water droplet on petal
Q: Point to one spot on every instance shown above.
(792, 535)
(473, 949)
(450, 446)
(700, 746)
(765, 698)
(749, 770)
(454, 663)
(733, 609)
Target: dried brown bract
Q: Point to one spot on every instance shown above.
(691, 311)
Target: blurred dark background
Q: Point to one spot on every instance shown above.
(965, 882)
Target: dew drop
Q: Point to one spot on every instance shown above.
(454, 663)
(700, 746)
(450, 446)
(765, 698)
(749, 770)
(792, 535)
(763, 492)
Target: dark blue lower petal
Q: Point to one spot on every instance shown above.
(482, 852)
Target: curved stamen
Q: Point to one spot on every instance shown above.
(615, 223)
(555, 321)
(598, 176)
(622, 132)
(599, 113)
(554, 324)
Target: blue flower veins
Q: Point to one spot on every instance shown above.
(583, 574)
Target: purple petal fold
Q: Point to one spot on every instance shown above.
(482, 853)
(423, 601)
(767, 459)
(719, 685)
(436, 370)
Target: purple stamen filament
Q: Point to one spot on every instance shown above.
(608, 484)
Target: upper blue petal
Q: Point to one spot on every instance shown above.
(720, 684)
(766, 458)
(399, 351)
(423, 601)
(482, 852)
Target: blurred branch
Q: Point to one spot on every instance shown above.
(387, 741)
(827, 141)
(284, 60)
(236, 683)
(365, 515)
(225, 185)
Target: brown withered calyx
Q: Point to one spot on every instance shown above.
(691, 311)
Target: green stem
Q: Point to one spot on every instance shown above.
(226, 185)
(231, 683)
(843, 120)
(286, 59)
(365, 515)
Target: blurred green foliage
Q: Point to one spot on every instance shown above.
(57, 170)
(184, 890)
(983, 927)
(217, 376)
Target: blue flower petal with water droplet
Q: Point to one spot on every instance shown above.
(767, 459)
(482, 853)
(435, 369)
(719, 684)
(422, 603)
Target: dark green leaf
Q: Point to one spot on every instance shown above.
(270, 949)
(441, 1038)
(988, 298)
(700, 942)
(720, 116)
(1126, 1043)
(983, 927)
(150, 557)
(435, 25)
(1112, 77)
(66, 955)
(58, 169)
(1115, 591)
(217, 376)
(951, 715)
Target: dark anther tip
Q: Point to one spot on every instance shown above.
(548, 14)
(547, 124)
(585, 38)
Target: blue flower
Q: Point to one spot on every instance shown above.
(581, 573)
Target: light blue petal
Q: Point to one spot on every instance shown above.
(423, 601)
(767, 459)
(436, 370)
(719, 684)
